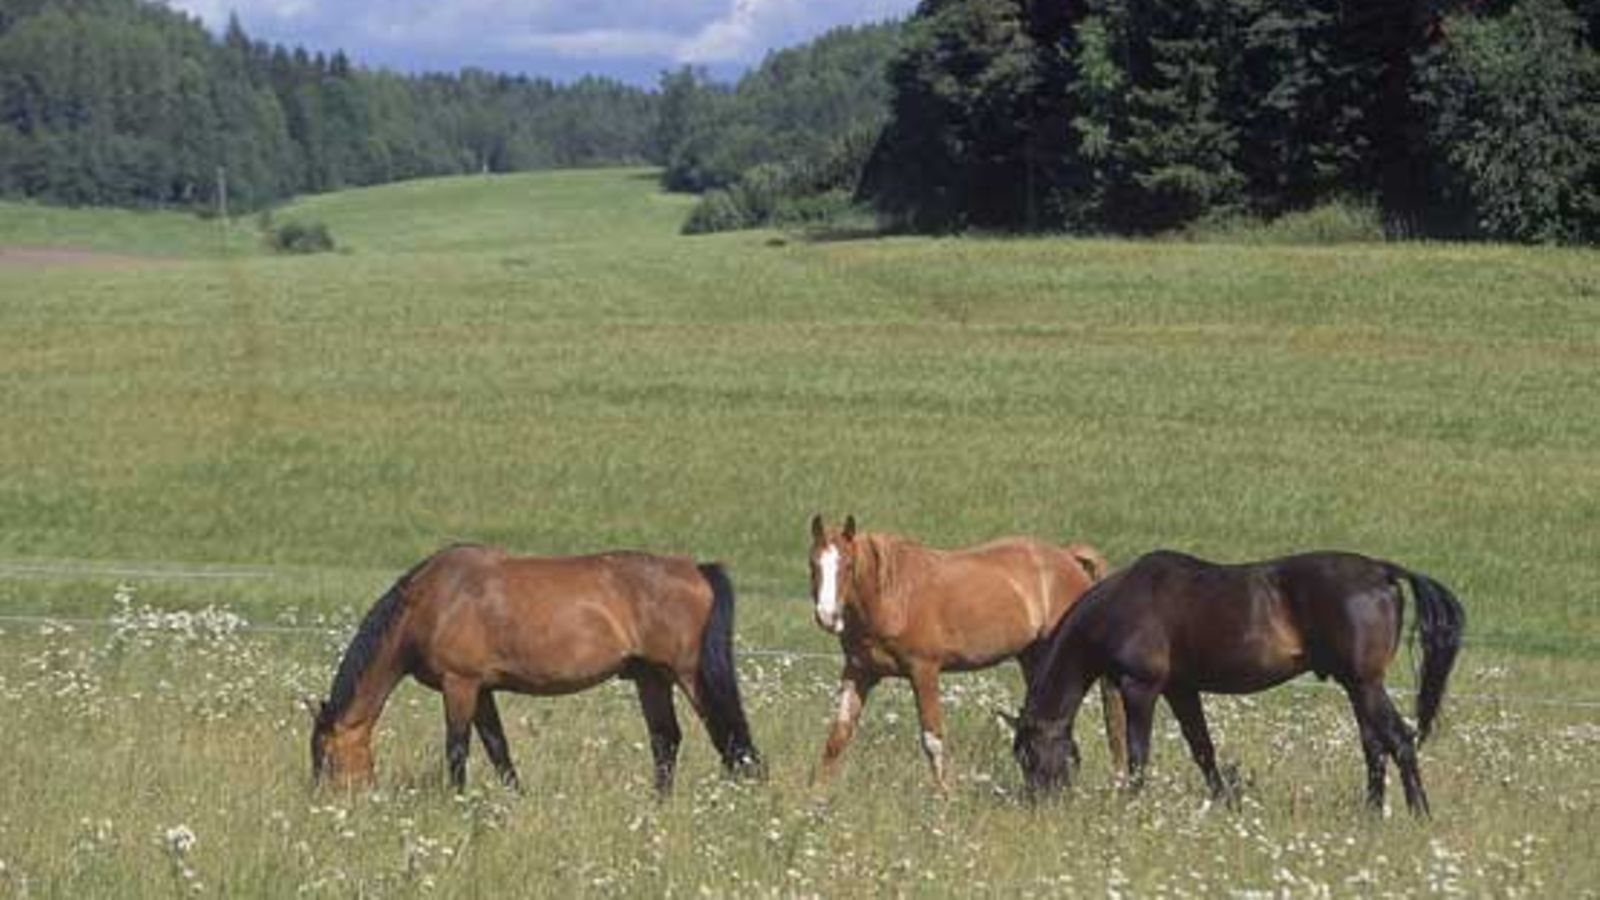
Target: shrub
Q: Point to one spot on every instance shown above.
(1335, 222)
(716, 211)
(300, 237)
(760, 191)
(826, 208)
(1514, 108)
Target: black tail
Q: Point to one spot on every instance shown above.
(1440, 624)
(719, 682)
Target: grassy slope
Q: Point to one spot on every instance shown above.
(145, 233)
(541, 361)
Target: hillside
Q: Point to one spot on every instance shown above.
(635, 386)
(214, 464)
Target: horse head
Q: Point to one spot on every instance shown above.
(833, 559)
(340, 755)
(1044, 749)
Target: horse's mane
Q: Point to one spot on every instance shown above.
(885, 553)
(880, 547)
(366, 643)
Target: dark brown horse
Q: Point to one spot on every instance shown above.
(1175, 626)
(904, 610)
(469, 621)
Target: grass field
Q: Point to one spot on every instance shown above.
(541, 361)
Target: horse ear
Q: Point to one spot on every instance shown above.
(816, 529)
(850, 528)
(1011, 721)
(1090, 560)
(313, 706)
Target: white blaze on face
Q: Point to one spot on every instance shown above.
(828, 612)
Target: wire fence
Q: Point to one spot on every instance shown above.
(342, 631)
(130, 570)
(180, 572)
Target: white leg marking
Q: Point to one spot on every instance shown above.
(932, 746)
(849, 703)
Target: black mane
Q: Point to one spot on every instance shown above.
(364, 646)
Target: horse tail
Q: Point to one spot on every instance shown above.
(719, 682)
(1091, 560)
(1441, 621)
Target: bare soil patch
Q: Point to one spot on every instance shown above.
(70, 257)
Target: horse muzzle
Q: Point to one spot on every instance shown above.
(832, 624)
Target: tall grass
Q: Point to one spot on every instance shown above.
(169, 757)
(541, 361)
(1334, 222)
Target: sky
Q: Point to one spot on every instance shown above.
(632, 40)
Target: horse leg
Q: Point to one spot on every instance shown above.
(854, 686)
(1398, 741)
(1191, 717)
(736, 759)
(1116, 724)
(655, 698)
(1139, 702)
(1372, 746)
(925, 685)
(493, 736)
(460, 707)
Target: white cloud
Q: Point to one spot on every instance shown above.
(738, 35)
(215, 12)
(666, 31)
(752, 27)
(598, 43)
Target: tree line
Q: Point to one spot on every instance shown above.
(1460, 118)
(128, 103)
(788, 141)
(1472, 118)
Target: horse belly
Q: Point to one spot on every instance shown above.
(566, 652)
(979, 635)
(1244, 681)
(972, 663)
(1252, 668)
(1244, 647)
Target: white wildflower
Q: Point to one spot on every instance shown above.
(180, 839)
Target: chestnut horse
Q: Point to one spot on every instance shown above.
(1175, 626)
(471, 620)
(904, 610)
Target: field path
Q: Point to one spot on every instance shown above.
(69, 257)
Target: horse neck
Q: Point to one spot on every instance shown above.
(1057, 686)
(376, 681)
(874, 570)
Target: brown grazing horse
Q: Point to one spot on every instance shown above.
(901, 609)
(472, 620)
(1175, 626)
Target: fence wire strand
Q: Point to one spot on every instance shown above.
(343, 632)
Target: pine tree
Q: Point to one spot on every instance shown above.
(963, 147)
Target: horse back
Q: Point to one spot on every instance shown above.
(1240, 627)
(551, 624)
(974, 606)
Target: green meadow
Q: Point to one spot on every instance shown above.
(541, 361)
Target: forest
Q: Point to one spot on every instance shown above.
(128, 103)
(1446, 118)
